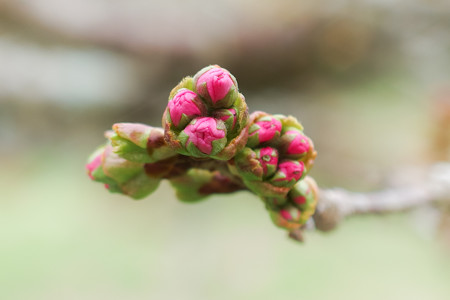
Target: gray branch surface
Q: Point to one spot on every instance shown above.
(336, 204)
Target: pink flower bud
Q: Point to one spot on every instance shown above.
(184, 104)
(288, 217)
(94, 164)
(300, 200)
(288, 173)
(268, 157)
(215, 84)
(264, 130)
(228, 116)
(304, 195)
(218, 83)
(294, 144)
(207, 135)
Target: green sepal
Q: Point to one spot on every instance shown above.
(140, 186)
(248, 165)
(126, 177)
(128, 150)
(242, 116)
(302, 190)
(185, 83)
(275, 201)
(275, 194)
(289, 123)
(99, 175)
(139, 143)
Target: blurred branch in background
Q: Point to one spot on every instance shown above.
(433, 187)
(410, 189)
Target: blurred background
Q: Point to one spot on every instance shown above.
(368, 79)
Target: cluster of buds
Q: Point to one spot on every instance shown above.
(209, 144)
(273, 165)
(206, 116)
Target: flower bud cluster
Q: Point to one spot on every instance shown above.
(209, 144)
(206, 116)
(136, 158)
(299, 207)
(277, 156)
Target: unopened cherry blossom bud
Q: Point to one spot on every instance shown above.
(294, 144)
(268, 158)
(140, 143)
(264, 129)
(256, 167)
(206, 120)
(203, 137)
(247, 164)
(183, 107)
(304, 196)
(213, 94)
(95, 162)
(288, 173)
(217, 86)
(120, 175)
(287, 217)
(228, 116)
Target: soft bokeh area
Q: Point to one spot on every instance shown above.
(369, 80)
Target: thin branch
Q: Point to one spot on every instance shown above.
(336, 204)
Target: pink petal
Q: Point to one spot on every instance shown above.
(285, 214)
(291, 169)
(300, 200)
(218, 83)
(299, 144)
(94, 164)
(268, 152)
(182, 103)
(203, 132)
(268, 129)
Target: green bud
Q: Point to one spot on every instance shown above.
(304, 196)
(139, 143)
(248, 165)
(185, 83)
(120, 175)
(287, 217)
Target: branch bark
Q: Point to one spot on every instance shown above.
(336, 204)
